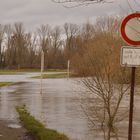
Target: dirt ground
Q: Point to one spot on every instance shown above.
(7, 133)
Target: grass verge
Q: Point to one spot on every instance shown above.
(22, 71)
(6, 83)
(8, 72)
(58, 75)
(36, 128)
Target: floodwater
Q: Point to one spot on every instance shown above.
(58, 106)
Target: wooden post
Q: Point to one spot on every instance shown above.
(68, 69)
(42, 69)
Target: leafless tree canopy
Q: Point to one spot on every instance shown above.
(75, 3)
(79, 1)
(97, 61)
(21, 49)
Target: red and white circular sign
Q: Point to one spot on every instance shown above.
(130, 29)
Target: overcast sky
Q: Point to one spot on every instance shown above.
(36, 12)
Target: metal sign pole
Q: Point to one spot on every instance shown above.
(131, 103)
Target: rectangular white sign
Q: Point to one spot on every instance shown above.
(130, 56)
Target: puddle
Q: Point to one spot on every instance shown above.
(16, 126)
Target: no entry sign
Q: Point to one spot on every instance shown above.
(130, 29)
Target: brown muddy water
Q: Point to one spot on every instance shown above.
(58, 106)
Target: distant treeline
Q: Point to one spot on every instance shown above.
(22, 49)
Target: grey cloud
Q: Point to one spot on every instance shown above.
(36, 12)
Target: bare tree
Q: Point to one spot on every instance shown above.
(44, 36)
(8, 42)
(56, 39)
(22, 49)
(19, 44)
(103, 78)
(76, 3)
(1, 47)
(31, 40)
(103, 97)
(88, 32)
(44, 40)
(54, 54)
(71, 31)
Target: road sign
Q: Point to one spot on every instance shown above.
(130, 32)
(130, 56)
(130, 29)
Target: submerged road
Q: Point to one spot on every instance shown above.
(58, 106)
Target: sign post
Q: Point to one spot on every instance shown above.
(131, 103)
(130, 32)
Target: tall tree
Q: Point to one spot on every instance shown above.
(8, 42)
(71, 31)
(55, 47)
(19, 44)
(1, 47)
(75, 3)
(31, 41)
(44, 40)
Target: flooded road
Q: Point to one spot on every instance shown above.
(58, 106)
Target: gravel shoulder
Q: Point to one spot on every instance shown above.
(8, 133)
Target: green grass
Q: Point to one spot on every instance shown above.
(8, 72)
(56, 75)
(13, 72)
(6, 83)
(57, 70)
(36, 128)
(38, 70)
